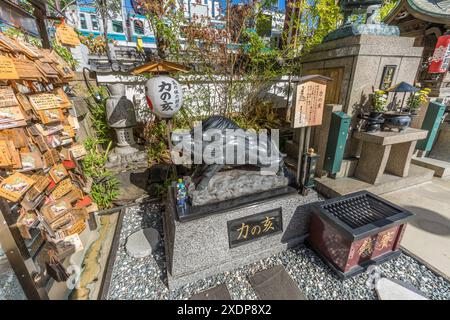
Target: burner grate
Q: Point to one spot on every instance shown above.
(360, 210)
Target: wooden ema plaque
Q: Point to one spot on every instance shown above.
(63, 188)
(7, 69)
(43, 101)
(309, 103)
(15, 186)
(7, 97)
(66, 35)
(27, 70)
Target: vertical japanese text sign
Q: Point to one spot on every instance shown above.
(308, 104)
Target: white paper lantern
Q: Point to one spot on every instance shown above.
(164, 96)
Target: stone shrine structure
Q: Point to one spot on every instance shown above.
(426, 21)
(360, 57)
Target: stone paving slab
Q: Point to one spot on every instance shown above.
(427, 236)
(219, 292)
(275, 284)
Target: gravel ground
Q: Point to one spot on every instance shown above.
(145, 278)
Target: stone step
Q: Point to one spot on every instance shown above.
(338, 187)
(441, 168)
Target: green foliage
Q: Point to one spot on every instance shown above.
(157, 144)
(64, 53)
(98, 115)
(417, 99)
(105, 187)
(387, 6)
(379, 100)
(161, 189)
(105, 193)
(320, 18)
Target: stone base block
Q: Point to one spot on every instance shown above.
(338, 187)
(200, 248)
(441, 168)
(348, 167)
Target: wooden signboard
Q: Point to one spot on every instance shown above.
(66, 35)
(309, 104)
(7, 69)
(44, 101)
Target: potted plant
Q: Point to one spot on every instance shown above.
(375, 117)
(415, 100)
(379, 103)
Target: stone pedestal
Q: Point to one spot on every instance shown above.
(200, 248)
(441, 148)
(388, 151)
(356, 64)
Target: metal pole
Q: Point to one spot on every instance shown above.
(300, 154)
(22, 264)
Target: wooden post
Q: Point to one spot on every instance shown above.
(40, 12)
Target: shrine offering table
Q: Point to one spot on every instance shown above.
(389, 151)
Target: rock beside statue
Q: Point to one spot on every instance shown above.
(236, 183)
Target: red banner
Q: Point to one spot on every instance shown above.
(441, 56)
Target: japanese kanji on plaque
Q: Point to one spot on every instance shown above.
(308, 104)
(254, 227)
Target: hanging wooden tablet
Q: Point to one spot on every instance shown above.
(51, 157)
(7, 69)
(42, 101)
(66, 35)
(9, 43)
(46, 69)
(27, 70)
(16, 135)
(62, 98)
(78, 151)
(41, 144)
(10, 114)
(63, 188)
(58, 172)
(14, 187)
(5, 156)
(78, 227)
(50, 115)
(15, 155)
(54, 210)
(31, 161)
(31, 51)
(7, 97)
(41, 182)
(24, 102)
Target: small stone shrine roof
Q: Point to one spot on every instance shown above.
(437, 11)
(310, 78)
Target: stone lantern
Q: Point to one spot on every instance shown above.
(121, 116)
